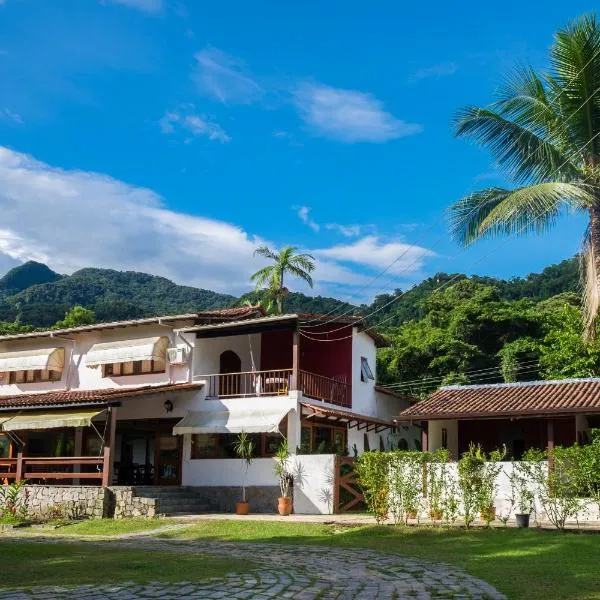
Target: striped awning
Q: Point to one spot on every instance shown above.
(153, 348)
(48, 420)
(52, 359)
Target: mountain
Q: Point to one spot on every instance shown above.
(35, 295)
(26, 275)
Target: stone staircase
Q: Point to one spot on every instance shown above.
(176, 500)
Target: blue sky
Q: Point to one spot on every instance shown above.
(173, 136)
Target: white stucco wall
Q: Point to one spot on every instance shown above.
(313, 478)
(363, 392)
(435, 436)
(209, 350)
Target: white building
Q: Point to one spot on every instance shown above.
(160, 401)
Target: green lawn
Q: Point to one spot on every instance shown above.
(28, 563)
(108, 527)
(532, 564)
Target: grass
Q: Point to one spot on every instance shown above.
(107, 527)
(27, 563)
(532, 564)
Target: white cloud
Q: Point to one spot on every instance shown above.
(8, 115)
(369, 251)
(303, 213)
(224, 77)
(345, 230)
(195, 124)
(75, 219)
(348, 115)
(440, 70)
(148, 6)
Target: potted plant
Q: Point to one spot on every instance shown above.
(524, 496)
(244, 449)
(281, 468)
(491, 468)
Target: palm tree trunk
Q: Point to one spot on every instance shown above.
(591, 274)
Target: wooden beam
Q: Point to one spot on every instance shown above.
(109, 447)
(425, 436)
(550, 434)
(19, 473)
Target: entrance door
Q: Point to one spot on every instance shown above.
(168, 458)
(229, 385)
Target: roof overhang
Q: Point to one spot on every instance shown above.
(244, 326)
(490, 415)
(352, 420)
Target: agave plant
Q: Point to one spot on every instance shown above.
(543, 131)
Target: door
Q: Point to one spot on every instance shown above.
(229, 385)
(168, 458)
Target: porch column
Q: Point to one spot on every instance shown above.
(78, 451)
(425, 436)
(550, 428)
(295, 360)
(109, 447)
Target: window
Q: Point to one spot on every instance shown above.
(444, 438)
(138, 367)
(36, 376)
(365, 370)
(4, 446)
(319, 438)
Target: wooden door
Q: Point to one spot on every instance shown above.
(168, 458)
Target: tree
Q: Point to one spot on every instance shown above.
(285, 261)
(544, 131)
(76, 316)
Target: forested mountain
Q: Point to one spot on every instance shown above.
(35, 295)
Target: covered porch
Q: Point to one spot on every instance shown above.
(91, 437)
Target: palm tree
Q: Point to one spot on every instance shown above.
(285, 261)
(544, 131)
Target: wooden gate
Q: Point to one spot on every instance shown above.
(347, 493)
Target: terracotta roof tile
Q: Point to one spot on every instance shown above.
(535, 398)
(88, 397)
(352, 418)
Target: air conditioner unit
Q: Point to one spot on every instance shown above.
(176, 356)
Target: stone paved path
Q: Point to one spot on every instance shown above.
(302, 572)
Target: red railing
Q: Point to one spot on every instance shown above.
(51, 468)
(334, 391)
(249, 383)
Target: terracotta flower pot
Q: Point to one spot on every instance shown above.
(411, 514)
(284, 506)
(436, 515)
(242, 508)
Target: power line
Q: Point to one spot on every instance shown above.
(307, 325)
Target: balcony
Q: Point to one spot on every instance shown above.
(253, 384)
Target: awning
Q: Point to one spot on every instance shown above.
(52, 359)
(153, 348)
(234, 421)
(48, 420)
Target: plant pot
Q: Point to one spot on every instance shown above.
(284, 506)
(242, 508)
(488, 514)
(411, 514)
(436, 515)
(522, 520)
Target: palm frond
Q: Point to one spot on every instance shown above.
(263, 276)
(265, 252)
(498, 211)
(524, 154)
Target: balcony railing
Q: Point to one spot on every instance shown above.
(250, 383)
(45, 469)
(327, 389)
(278, 383)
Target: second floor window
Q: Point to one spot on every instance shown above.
(365, 370)
(36, 376)
(137, 367)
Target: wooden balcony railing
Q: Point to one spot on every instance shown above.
(51, 468)
(334, 391)
(249, 383)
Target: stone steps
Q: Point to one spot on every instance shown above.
(175, 500)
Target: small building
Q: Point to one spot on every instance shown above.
(522, 415)
(159, 402)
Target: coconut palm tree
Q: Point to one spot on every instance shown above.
(286, 260)
(543, 131)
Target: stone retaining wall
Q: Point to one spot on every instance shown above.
(68, 501)
(123, 504)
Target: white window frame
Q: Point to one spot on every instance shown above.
(366, 373)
